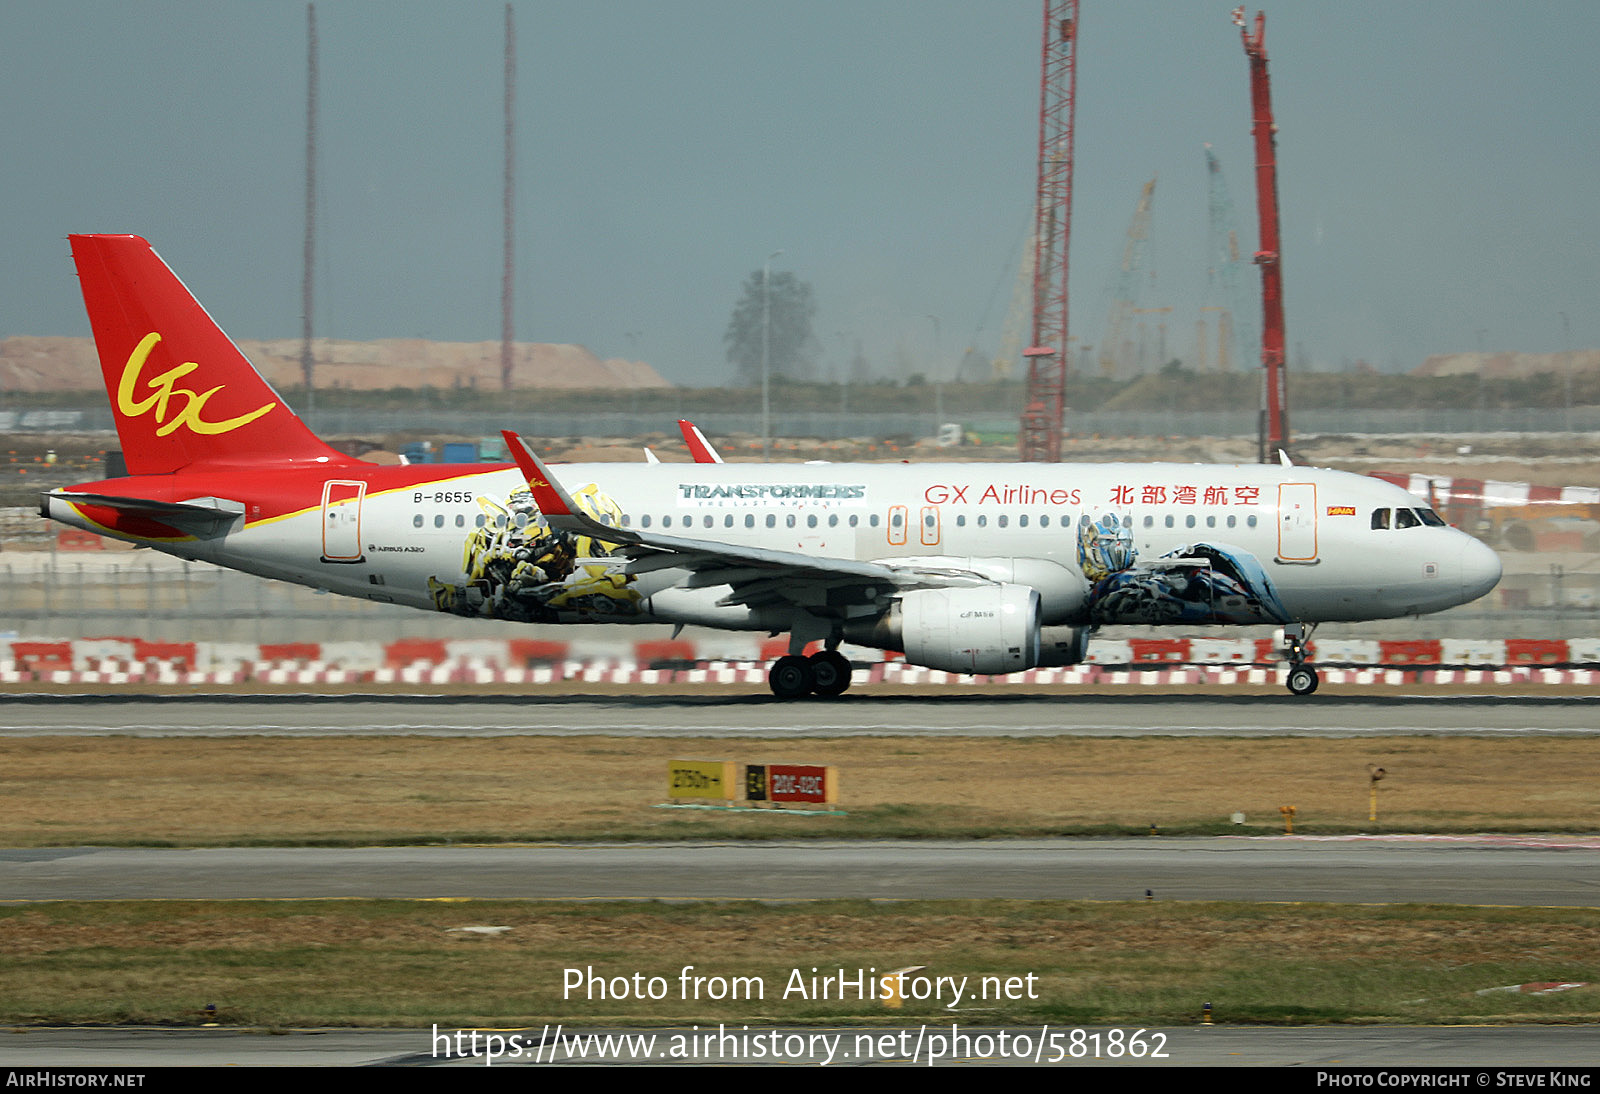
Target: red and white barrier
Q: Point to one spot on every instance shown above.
(422, 662)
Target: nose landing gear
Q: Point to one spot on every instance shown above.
(1303, 678)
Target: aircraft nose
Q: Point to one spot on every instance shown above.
(1480, 569)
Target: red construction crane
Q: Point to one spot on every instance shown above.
(1275, 435)
(1039, 439)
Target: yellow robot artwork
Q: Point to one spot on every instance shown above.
(517, 568)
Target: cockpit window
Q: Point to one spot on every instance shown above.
(1380, 518)
(1406, 518)
(1430, 518)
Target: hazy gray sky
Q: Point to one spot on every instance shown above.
(1439, 169)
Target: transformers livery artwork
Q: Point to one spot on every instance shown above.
(1195, 583)
(519, 569)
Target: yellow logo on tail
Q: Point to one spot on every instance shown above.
(163, 386)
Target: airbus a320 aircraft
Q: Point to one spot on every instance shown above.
(973, 568)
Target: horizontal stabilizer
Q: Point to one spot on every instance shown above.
(203, 518)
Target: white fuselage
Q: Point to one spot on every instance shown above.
(1311, 530)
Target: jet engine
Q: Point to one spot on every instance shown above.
(1063, 646)
(989, 629)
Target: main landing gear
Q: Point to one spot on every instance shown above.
(1303, 678)
(824, 674)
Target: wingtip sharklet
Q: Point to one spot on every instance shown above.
(699, 448)
(553, 500)
(548, 495)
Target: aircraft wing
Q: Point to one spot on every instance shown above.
(757, 575)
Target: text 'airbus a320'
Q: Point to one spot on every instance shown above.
(971, 568)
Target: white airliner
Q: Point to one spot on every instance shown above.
(973, 568)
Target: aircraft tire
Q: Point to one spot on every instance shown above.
(1303, 680)
(790, 677)
(830, 673)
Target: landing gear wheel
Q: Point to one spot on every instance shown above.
(830, 673)
(790, 677)
(1303, 680)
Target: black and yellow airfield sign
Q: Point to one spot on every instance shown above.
(702, 779)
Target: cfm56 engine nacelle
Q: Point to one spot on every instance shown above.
(993, 629)
(990, 629)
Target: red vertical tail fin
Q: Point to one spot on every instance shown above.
(181, 392)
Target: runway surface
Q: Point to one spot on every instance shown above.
(1474, 870)
(951, 712)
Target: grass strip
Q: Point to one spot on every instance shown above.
(127, 791)
(410, 963)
